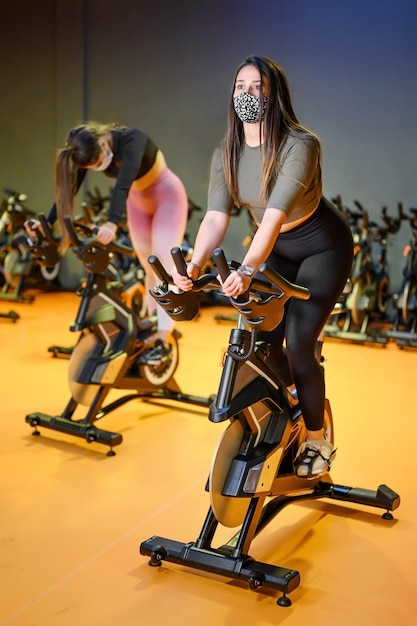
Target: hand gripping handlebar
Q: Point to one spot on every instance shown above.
(45, 249)
(264, 307)
(183, 305)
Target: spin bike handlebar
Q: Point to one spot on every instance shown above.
(45, 249)
(277, 283)
(262, 307)
(90, 240)
(183, 305)
(94, 255)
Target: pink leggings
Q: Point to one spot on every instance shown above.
(157, 218)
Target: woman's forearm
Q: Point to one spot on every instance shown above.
(265, 237)
(209, 237)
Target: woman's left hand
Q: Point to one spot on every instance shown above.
(106, 233)
(236, 284)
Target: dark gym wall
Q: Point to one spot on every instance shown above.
(166, 66)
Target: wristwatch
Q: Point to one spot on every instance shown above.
(247, 270)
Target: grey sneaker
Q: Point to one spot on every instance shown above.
(314, 457)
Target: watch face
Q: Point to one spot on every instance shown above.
(247, 270)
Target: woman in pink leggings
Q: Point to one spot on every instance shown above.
(153, 197)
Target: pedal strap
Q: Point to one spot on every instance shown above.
(307, 457)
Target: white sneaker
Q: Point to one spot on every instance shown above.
(314, 457)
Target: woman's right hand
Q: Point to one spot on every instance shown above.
(185, 283)
(33, 227)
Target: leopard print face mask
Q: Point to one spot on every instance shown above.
(248, 108)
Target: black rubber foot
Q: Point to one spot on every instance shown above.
(284, 601)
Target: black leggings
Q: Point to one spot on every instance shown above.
(318, 255)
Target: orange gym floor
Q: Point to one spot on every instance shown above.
(72, 518)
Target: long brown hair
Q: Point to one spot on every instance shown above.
(81, 149)
(278, 120)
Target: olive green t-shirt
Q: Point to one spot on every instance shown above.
(298, 186)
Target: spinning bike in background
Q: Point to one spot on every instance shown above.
(252, 475)
(44, 253)
(367, 298)
(405, 324)
(124, 270)
(18, 265)
(107, 355)
(125, 274)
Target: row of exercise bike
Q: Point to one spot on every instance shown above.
(370, 312)
(21, 274)
(251, 478)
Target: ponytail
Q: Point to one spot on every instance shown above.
(64, 192)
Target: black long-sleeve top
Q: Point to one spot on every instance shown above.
(134, 154)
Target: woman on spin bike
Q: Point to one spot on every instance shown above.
(153, 197)
(270, 163)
